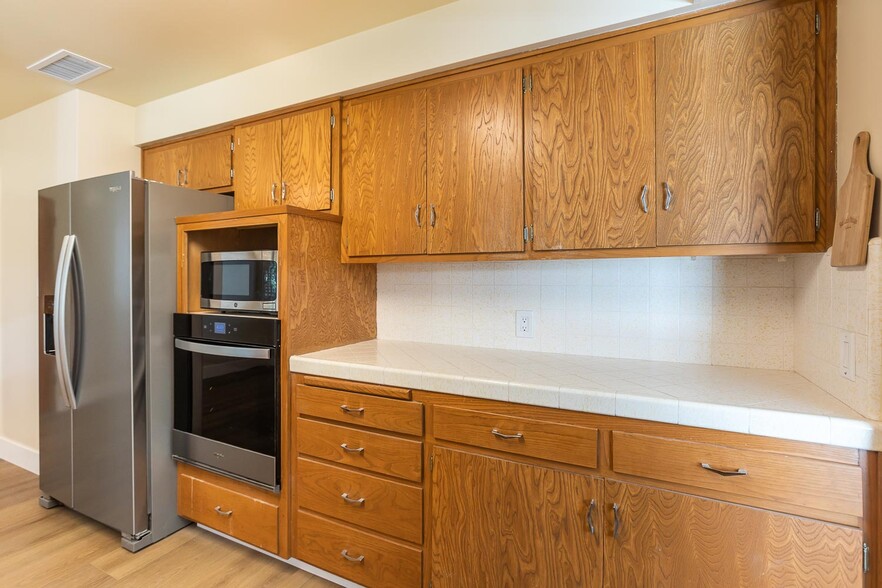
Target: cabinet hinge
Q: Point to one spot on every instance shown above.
(528, 233)
(332, 195)
(817, 23)
(431, 463)
(527, 83)
(232, 146)
(866, 558)
(817, 219)
(333, 120)
(231, 173)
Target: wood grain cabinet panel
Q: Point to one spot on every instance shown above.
(384, 174)
(203, 163)
(398, 416)
(475, 164)
(736, 129)
(258, 165)
(669, 539)
(590, 148)
(306, 159)
(500, 523)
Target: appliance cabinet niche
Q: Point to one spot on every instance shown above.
(289, 160)
(203, 163)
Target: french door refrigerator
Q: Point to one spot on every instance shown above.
(107, 296)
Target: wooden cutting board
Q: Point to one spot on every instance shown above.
(854, 207)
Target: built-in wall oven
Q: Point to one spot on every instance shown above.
(226, 407)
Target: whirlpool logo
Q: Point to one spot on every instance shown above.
(115, 188)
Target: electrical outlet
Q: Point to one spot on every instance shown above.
(846, 356)
(524, 324)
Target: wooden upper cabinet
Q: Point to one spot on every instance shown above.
(475, 164)
(384, 174)
(590, 148)
(286, 161)
(669, 539)
(203, 163)
(736, 130)
(501, 523)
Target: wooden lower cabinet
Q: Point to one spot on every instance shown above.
(497, 522)
(669, 539)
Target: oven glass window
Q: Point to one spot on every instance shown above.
(233, 401)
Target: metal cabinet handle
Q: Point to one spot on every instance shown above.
(738, 472)
(180, 171)
(617, 520)
(644, 204)
(352, 411)
(432, 215)
(284, 191)
(347, 557)
(669, 196)
(589, 518)
(352, 501)
(273, 192)
(352, 449)
(223, 513)
(502, 435)
(416, 215)
(186, 176)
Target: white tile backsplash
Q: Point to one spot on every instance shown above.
(728, 311)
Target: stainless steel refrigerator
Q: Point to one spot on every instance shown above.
(107, 296)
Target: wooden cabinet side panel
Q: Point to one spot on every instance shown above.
(736, 130)
(475, 164)
(591, 148)
(384, 174)
(670, 539)
(258, 165)
(306, 159)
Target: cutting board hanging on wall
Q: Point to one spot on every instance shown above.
(854, 208)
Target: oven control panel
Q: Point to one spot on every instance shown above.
(251, 330)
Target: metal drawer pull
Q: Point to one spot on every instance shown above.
(617, 520)
(186, 177)
(738, 472)
(273, 192)
(357, 502)
(502, 435)
(669, 196)
(352, 449)
(223, 513)
(180, 182)
(350, 410)
(589, 518)
(347, 557)
(643, 202)
(416, 215)
(432, 215)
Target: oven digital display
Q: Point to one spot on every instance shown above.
(220, 328)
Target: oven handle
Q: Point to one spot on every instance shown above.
(224, 350)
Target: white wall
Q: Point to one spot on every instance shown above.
(73, 136)
(453, 33)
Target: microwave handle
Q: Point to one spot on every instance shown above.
(223, 350)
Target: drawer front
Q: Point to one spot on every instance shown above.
(372, 560)
(389, 507)
(374, 452)
(238, 515)
(398, 416)
(785, 479)
(541, 439)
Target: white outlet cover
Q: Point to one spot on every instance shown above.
(846, 356)
(524, 324)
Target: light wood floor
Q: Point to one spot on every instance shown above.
(58, 547)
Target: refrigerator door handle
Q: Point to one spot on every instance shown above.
(62, 360)
(224, 350)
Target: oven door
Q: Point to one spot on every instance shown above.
(227, 409)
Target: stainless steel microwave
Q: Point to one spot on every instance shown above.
(242, 281)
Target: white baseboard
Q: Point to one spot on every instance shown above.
(17, 454)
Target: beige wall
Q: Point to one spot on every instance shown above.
(859, 66)
(73, 136)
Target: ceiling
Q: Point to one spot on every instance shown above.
(159, 47)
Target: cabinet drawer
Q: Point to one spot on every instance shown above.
(375, 452)
(398, 416)
(377, 561)
(239, 515)
(757, 476)
(389, 507)
(541, 439)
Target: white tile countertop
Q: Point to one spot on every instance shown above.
(770, 403)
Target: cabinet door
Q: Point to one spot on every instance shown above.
(258, 165)
(384, 174)
(670, 539)
(208, 162)
(591, 149)
(501, 523)
(163, 164)
(476, 184)
(306, 159)
(736, 130)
